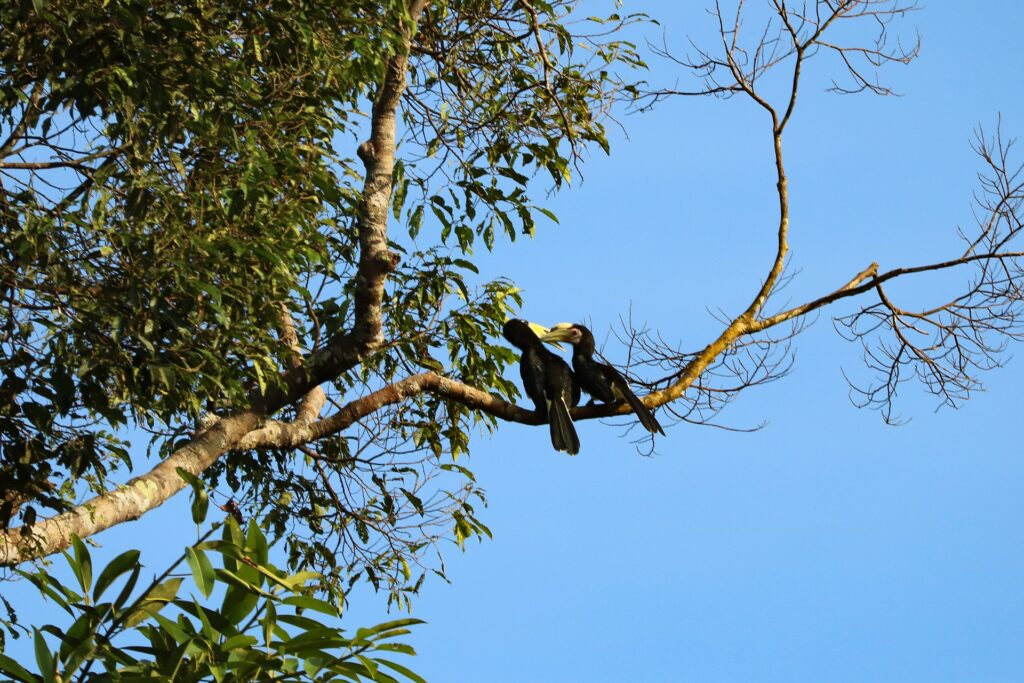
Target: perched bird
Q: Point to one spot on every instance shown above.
(600, 380)
(548, 381)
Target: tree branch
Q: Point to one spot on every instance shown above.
(345, 350)
(292, 435)
(849, 289)
(313, 402)
(378, 157)
(128, 502)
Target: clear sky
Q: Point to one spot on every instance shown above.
(825, 547)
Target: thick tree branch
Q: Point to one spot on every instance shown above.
(291, 435)
(313, 402)
(378, 157)
(347, 349)
(128, 502)
(283, 435)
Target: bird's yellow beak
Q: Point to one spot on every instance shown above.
(538, 329)
(543, 333)
(559, 333)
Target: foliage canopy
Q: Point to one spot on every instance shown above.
(185, 203)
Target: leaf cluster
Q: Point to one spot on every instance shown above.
(235, 617)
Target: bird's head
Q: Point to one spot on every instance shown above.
(521, 332)
(572, 333)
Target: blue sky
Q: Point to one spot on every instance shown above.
(826, 546)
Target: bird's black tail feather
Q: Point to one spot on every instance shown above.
(647, 418)
(563, 432)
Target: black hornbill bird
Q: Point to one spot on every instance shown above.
(600, 380)
(548, 381)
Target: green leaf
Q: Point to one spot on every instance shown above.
(468, 265)
(190, 479)
(44, 658)
(269, 622)
(414, 500)
(153, 602)
(219, 671)
(12, 668)
(202, 570)
(79, 633)
(370, 665)
(193, 608)
(256, 543)
(416, 221)
(298, 621)
(315, 640)
(43, 582)
(173, 628)
(200, 504)
(415, 678)
(82, 566)
(238, 601)
(236, 581)
(74, 659)
(384, 628)
(298, 579)
(129, 586)
(312, 666)
(308, 602)
(118, 566)
(239, 642)
(212, 633)
(548, 213)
